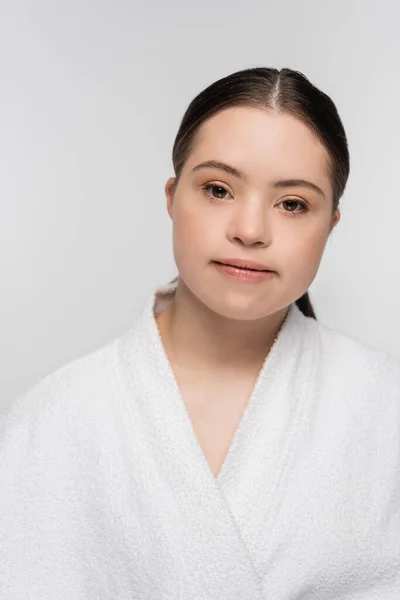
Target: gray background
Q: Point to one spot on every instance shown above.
(91, 97)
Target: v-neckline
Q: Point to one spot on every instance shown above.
(242, 503)
(160, 299)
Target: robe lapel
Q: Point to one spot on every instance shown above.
(276, 420)
(212, 547)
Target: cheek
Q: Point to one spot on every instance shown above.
(301, 250)
(193, 232)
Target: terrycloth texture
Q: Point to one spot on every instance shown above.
(107, 495)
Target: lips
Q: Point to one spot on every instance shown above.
(241, 263)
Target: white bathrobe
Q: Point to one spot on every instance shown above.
(106, 494)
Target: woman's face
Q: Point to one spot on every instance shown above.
(271, 203)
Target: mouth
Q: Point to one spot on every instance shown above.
(243, 271)
(245, 265)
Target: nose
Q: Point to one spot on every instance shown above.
(249, 225)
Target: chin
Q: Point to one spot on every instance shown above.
(239, 308)
(247, 304)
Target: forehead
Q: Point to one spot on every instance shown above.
(263, 143)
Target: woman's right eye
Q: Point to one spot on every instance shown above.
(215, 191)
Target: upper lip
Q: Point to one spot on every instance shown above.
(243, 263)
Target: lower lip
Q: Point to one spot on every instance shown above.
(243, 274)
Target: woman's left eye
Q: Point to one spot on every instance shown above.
(291, 204)
(215, 191)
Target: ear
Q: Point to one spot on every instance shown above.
(170, 187)
(335, 219)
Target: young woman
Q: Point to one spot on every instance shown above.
(228, 445)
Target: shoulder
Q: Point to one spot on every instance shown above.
(66, 396)
(345, 355)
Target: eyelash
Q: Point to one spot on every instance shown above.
(304, 206)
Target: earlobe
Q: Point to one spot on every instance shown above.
(335, 219)
(169, 193)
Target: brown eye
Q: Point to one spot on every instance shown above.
(290, 206)
(216, 191)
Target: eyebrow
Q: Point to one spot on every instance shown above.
(282, 183)
(215, 164)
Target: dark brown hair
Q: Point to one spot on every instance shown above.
(282, 90)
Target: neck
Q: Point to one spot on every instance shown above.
(199, 339)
